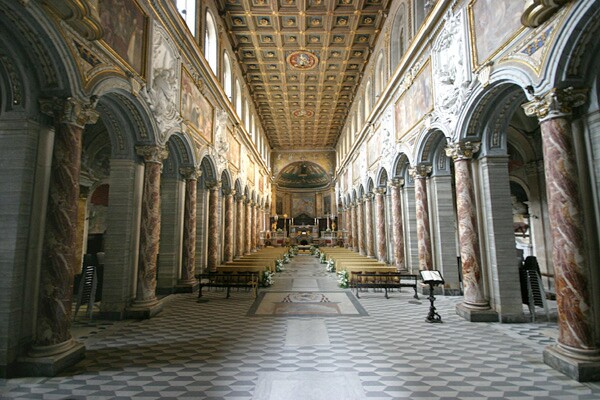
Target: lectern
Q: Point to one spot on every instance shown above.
(432, 278)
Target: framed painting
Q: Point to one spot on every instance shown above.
(493, 23)
(234, 150)
(125, 27)
(250, 171)
(196, 111)
(415, 102)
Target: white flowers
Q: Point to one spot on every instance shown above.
(267, 278)
(331, 265)
(343, 278)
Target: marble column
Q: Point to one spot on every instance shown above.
(239, 244)
(380, 224)
(254, 225)
(212, 261)
(145, 303)
(188, 262)
(360, 227)
(368, 224)
(228, 227)
(354, 211)
(248, 228)
(468, 236)
(348, 221)
(53, 331)
(420, 174)
(576, 353)
(397, 224)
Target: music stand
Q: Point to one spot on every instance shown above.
(432, 278)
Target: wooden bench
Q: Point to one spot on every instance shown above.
(383, 280)
(240, 280)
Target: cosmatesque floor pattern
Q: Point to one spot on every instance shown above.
(217, 350)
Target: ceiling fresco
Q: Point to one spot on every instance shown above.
(303, 61)
(303, 175)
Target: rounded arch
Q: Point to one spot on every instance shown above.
(211, 42)
(380, 76)
(238, 186)
(382, 177)
(401, 166)
(226, 181)
(370, 185)
(180, 154)
(238, 98)
(367, 96)
(361, 191)
(209, 169)
(354, 195)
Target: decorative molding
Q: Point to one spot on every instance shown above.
(420, 171)
(152, 154)
(539, 11)
(71, 111)
(462, 150)
(556, 103)
(82, 16)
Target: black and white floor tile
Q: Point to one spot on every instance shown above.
(215, 350)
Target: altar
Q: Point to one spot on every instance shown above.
(303, 235)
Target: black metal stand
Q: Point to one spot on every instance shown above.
(432, 317)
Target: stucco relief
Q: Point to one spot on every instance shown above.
(162, 94)
(221, 148)
(451, 75)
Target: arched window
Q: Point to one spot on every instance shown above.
(227, 77)
(379, 75)
(238, 98)
(420, 12)
(187, 9)
(247, 116)
(211, 43)
(359, 115)
(368, 99)
(398, 37)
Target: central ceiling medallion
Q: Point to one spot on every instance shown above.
(301, 113)
(302, 60)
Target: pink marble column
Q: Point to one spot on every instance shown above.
(420, 173)
(355, 210)
(240, 232)
(145, 298)
(53, 332)
(462, 153)
(368, 224)
(188, 262)
(380, 224)
(213, 226)
(253, 227)
(397, 224)
(360, 212)
(248, 227)
(228, 227)
(348, 221)
(576, 340)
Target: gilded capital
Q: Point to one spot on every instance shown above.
(420, 171)
(240, 198)
(380, 190)
(70, 111)
(190, 173)
(397, 182)
(213, 184)
(462, 150)
(152, 154)
(555, 103)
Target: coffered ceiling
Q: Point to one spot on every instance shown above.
(303, 61)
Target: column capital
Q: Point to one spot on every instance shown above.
(240, 198)
(190, 173)
(462, 150)
(70, 110)
(368, 196)
(555, 103)
(152, 154)
(379, 190)
(397, 182)
(229, 193)
(213, 185)
(420, 171)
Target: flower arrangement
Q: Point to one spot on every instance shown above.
(278, 265)
(330, 265)
(313, 250)
(279, 230)
(322, 258)
(286, 258)
(343, 278)
(317, 253)
(267, 278)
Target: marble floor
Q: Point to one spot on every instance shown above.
(219, 349)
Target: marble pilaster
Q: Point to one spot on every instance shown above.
(228, 227)
(188, 262)
(462, 153)
(354, 209)
(576, 352)
(248, 228)
(420, 174)
(348, 226)
(397, 224)
(53, 330)
(368, 225)
(239, 244)
(380, 224)
(212, 261)
(360, 227)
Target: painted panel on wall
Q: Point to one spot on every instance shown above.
(415, 102)
(250, 171)
(125, 26)
(373, 149)
(234, 150)
(492, 24)
(303, 204)
(195, 108)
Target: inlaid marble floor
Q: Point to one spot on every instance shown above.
(216, 350)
